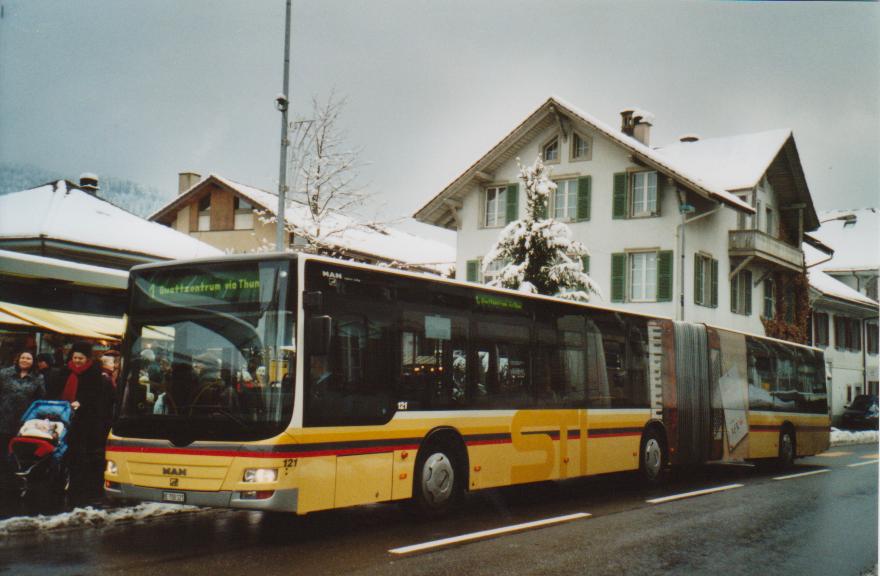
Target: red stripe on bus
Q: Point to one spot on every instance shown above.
(247, 454)
(614, 434)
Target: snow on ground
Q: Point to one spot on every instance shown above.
(90, 517)
(843, 437)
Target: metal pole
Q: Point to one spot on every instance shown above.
(282, 103)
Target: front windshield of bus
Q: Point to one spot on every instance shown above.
(209, 352)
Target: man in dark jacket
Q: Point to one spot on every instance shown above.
(81, 383)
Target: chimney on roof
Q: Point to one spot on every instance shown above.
(186, 180)
(642, 126)
(89, 183)
(688, 138)
(637, 123)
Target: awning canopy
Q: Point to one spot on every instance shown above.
(71, 323)
(14, 320)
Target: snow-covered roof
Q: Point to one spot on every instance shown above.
(340, 231)
(828, 286)
(730, 163)
(61, 211)
(856, 244)
(432, 211)
(665, 164)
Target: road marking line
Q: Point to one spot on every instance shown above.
(823, 471)
(488, 533)
(832, 454)
(862, 463)
(692, 494)
(871, 456)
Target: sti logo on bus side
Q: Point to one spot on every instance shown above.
(174, 471)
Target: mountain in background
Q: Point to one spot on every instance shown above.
(136, 198)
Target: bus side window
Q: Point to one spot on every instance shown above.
(503, 353)
(598, 392)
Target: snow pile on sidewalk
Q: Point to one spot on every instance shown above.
(88, 516)
(842, 437)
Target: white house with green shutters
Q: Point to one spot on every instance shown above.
(703, 230)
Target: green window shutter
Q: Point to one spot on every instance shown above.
(659, 195)
(714, 301)
(473, 270)
(619, 203)
(512, 202)
(698, 280)
(585, 263)
(584, 191)
(748, 290)
(618, 277)
(664, 276)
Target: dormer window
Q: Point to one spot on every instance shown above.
(550, 152)
(205, 213)
(244, 214)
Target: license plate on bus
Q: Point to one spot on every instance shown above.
(175, 497)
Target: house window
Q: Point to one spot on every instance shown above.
(550, 152)
(565, 200)
(705, 280)
(205, 213)
(820, 329)
(643, 277)
(244, 214)
(580, 147)
(496, 206)
(768, 221)
(743, 220)
(741, 293)
(847, 334)
(871, 337)
(769, 299)
(644, 194)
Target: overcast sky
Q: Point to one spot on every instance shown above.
(146, 89)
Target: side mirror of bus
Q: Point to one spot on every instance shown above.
(320, 330)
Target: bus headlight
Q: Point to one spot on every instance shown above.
(111, 468)
(260, 475)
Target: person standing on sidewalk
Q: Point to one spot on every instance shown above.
(20, 384)
(82, 383)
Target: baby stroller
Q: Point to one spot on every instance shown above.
(38, 452)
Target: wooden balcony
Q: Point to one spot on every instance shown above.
(757, 244)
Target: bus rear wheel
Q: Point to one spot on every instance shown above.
(436, 482)
(652, 458)
(786, 449)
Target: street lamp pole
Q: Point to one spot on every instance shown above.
(282, 103)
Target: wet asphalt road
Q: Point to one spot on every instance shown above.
(820, 524)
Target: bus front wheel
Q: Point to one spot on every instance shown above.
(652, 457)
(436, 483)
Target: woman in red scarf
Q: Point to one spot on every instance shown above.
(81, 383)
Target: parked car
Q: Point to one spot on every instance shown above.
(862, 413)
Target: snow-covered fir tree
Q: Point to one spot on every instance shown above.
(537, 252)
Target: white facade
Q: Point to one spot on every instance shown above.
(707, 233)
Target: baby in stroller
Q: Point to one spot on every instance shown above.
(38, 451)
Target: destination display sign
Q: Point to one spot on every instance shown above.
(201, 287)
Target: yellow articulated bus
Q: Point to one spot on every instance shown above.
(303, 383)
